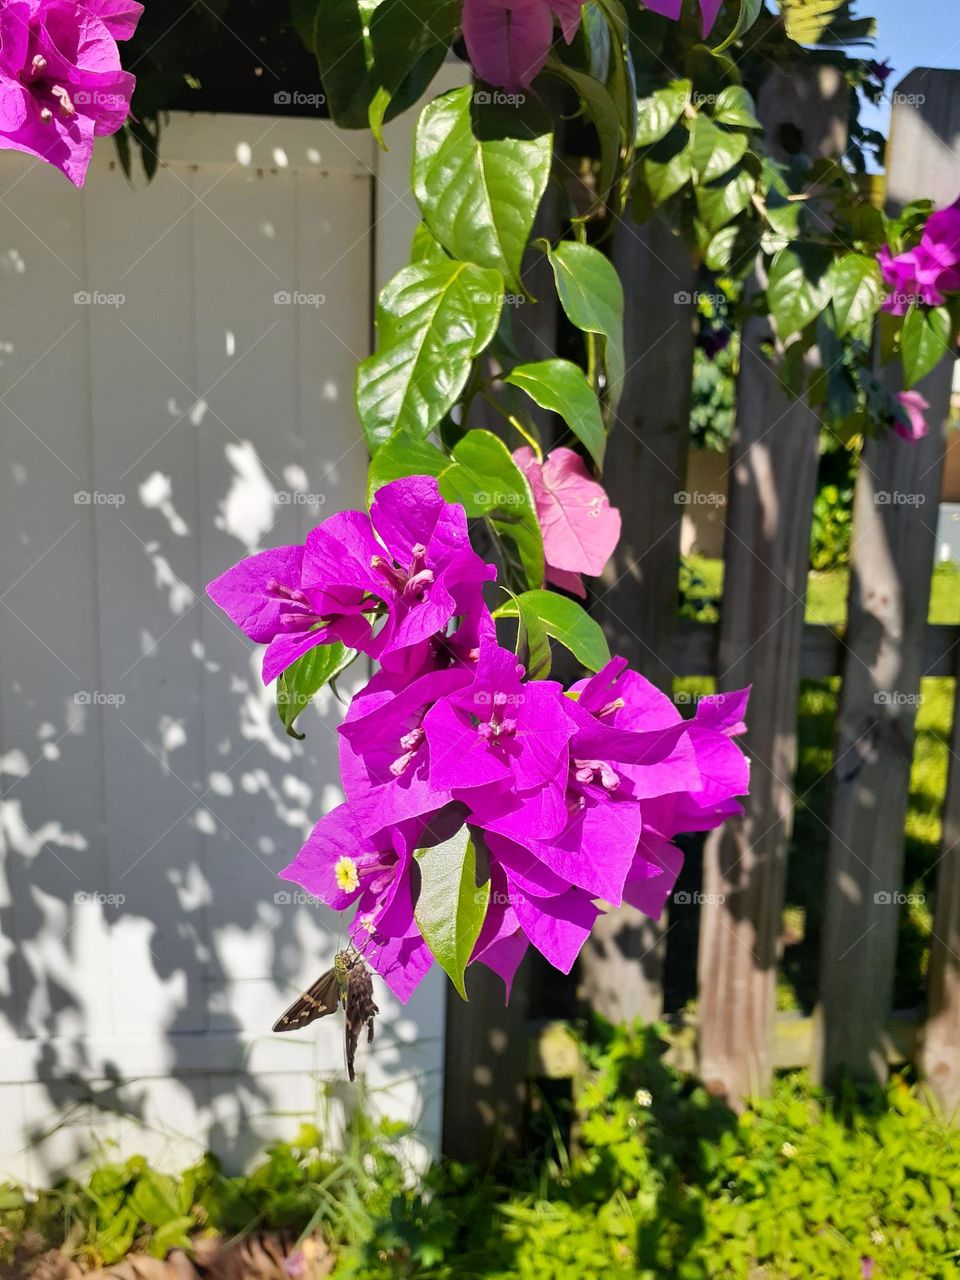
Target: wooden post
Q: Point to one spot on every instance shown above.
(940, 1044)
(898, 491)
(774, 465)
(622, 962)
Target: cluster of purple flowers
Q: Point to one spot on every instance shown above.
(573, 797)
(925, 274)
(61, 83)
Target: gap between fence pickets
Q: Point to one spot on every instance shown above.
(891, 569)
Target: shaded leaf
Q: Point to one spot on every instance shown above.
(451, 906)
(562, 387)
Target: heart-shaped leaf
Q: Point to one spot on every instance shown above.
(433, 319)
(479, 172)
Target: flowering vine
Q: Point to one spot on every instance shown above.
(487, 808)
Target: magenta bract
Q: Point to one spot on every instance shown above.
(61, 82)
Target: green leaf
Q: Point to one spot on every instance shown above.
(487, 482)
(533, 645)
(668, 165)
(734, 106)
(712, 151)
(479, 172)
(401, 456)
(433, 320)
(720, 202)
(175, 1234)
(154, 1198)
(405, 33)
(338, 45)
(798, 287)
(856, 284)
(602, 110)
(592, 297)
(451, 906)
(657, 114)
(566, 621)
(306, 677)
(750, 11)
(562, 387)
(924, 341)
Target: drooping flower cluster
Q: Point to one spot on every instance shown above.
(61, 83)
(922, 276)
(573, 798)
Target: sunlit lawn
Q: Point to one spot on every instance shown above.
(826, 604)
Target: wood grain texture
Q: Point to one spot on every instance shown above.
(894, 536)
(774, 465)
(621, 964)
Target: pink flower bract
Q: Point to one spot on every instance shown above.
(709, 9)
(509, 40)
(912, 425)
(61, 83)
(580, 528)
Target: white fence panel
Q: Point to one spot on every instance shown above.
(176, 371)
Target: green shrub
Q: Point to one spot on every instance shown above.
(664, 1181)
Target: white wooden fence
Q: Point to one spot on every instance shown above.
(175, 392)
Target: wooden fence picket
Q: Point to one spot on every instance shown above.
(622, 961)
(767, 557)
(898, 492)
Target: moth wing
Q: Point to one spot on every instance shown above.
(322, 998)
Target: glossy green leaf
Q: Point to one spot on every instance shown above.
(592, 297)
(750, 11)
(798, 287)
(719, 202)
(657, 114)
(714, 152)
(403, 455)
(566, 621)
(856, 284)
(668, 165)
(734, 106)
(487, 482)
(924, 342)
(533, 643)
(433, 319)
(562, 387)
(301, 681)
(602, 109)
(451, 906)
(479, 172)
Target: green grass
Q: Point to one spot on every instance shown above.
(826, 604)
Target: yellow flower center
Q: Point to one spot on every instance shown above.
(346, 875)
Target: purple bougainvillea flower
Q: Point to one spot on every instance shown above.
(409, 561)
(881, 71)
(709, 9)
(911, 424)
(926, 273)
(499, 731)
(266, 597)
(412, 554)
(508, 41)
(580, 528)
(384, 754)
(61, 82)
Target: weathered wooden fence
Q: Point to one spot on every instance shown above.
(737, 1039)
